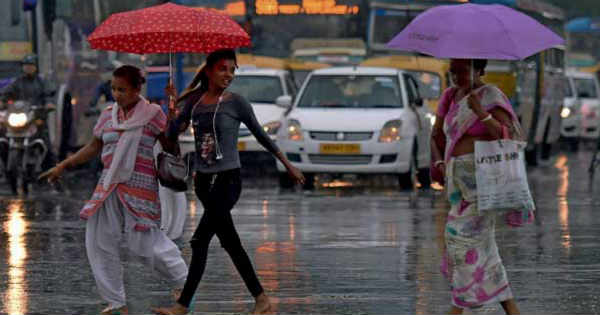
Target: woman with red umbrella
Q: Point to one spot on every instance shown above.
(216, 116)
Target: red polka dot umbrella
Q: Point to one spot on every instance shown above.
(168, 28)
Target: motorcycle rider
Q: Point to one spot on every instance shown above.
(103, 89)
(31, 88)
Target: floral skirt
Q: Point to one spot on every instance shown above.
(472, 262)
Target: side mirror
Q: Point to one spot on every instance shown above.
(419, 102)
(284, 101)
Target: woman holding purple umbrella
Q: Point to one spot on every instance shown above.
(469, 112)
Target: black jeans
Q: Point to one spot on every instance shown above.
(218, 193)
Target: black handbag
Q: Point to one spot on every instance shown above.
(173, 171)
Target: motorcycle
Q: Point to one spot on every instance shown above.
(3, 141)
(27, 149)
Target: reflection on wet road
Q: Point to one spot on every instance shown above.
(342, 249)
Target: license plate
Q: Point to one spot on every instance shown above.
(241, 146)
(339, 148)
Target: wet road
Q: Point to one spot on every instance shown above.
(347, 250)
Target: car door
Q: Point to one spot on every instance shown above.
(423, 124)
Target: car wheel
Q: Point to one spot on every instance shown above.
(285, 181)
(532, 155)
(405, 180)
(424, 178)
(546, 148)
(309, 183)
(573, 144)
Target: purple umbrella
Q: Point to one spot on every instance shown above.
(473, 31)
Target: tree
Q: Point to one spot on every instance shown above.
(578, 8)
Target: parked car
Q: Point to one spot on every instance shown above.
(570, 129)
(357, 120)
(270, 92)
(585, 106)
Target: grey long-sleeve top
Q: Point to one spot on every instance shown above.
(232, 111)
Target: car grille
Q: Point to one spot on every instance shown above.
(340, 159)
(341, 136)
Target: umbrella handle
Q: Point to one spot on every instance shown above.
(171, 100)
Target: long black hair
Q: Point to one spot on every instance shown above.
(200, 80)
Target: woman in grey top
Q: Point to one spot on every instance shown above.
(216, 116)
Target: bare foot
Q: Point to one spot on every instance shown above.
(262, 305)
(456, 310)
(115, 311)
(510, 307)
(176, 309)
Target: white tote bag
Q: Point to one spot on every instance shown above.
(501, 176)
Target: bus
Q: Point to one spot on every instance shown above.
(582, 41)
(534, 84)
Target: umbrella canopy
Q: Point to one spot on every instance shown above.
(472, 31)
(168, 28)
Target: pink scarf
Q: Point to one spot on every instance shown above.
(123, 161)
(460, 118)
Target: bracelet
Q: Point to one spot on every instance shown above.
(438, 163)
(488, 117)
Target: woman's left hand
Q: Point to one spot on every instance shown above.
(296, 174)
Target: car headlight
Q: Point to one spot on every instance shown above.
(390, 131)
(17, 120)
(294, 130)
(271, 128)
(431, 118)
(565, 113)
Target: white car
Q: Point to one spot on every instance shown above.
(270, 92)
(570, 128)
(585, 107)
(357, 120)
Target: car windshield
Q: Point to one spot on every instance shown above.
(354, 91)
(256, 88)
(430, 84)
(568, 89)
(586, 88)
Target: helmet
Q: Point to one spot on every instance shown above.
(30, 59)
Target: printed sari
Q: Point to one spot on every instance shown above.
(472, 262)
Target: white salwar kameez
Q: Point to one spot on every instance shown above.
(111, 228)
(173, 210)
(173, 207)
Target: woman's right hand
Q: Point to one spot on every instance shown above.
(170, 90)
(53, 174)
